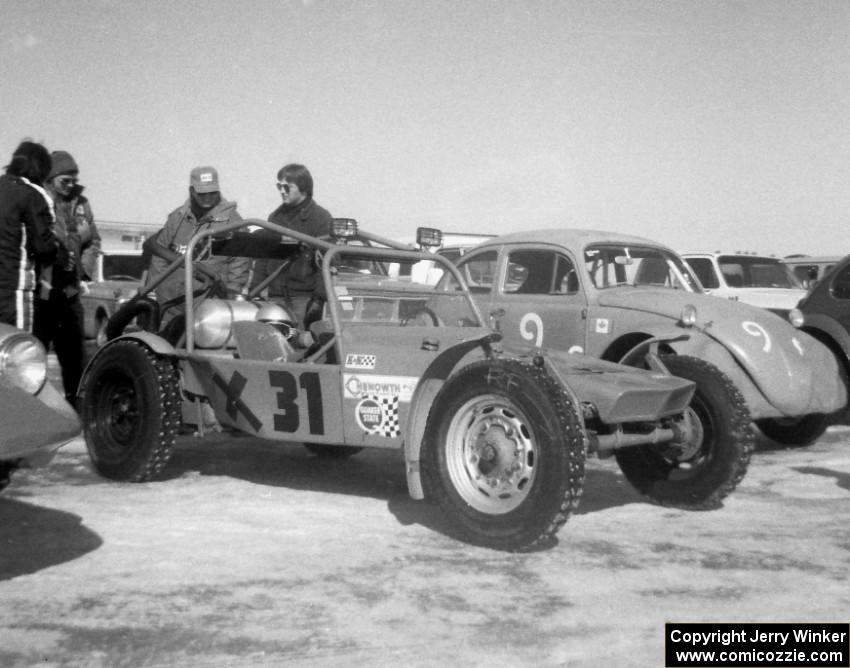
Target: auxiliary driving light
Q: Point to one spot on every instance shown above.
(344, 228)
(796, 317)
(429, 237)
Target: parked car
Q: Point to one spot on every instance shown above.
(827, 317)
(811, 268)
(759, 280)
(497, 441)
(118, 277)
(35, 419)
(451, 245)
(602, 294)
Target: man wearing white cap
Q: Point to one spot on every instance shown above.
(204, 209)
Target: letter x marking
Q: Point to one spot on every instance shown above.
(233, 392)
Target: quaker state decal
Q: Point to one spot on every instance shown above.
(378, 415)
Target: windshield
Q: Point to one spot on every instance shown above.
(122, 267)
(756, 272)
(615, 265)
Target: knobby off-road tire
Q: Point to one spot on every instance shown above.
(503, 455)
(698, 471)
(130, 411)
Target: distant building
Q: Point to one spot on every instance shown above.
(118, 236)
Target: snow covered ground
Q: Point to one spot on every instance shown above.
(247, 553)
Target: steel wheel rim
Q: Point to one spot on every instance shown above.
(491, 456)
(116, 415)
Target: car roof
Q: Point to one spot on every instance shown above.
(571, 238)
(760, 256)
(811, 259)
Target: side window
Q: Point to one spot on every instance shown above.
(566, 277)
(705, 272)
(840, 287)
(539, 272)
(478, 271)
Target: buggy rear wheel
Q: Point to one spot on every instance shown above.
(130, 403)
(503, 455)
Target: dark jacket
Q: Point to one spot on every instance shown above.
(302, 277)
(75, 216)
(26, 234)
(77, 232)
(180, 227)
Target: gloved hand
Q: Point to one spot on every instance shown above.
(66, 258)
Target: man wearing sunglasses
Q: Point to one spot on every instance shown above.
(58, 315)
(300, 283)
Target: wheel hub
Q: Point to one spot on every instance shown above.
(690, 437)
(494, 452)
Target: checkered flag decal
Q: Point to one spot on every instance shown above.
(389, 424)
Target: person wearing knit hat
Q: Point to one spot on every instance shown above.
(58, 318)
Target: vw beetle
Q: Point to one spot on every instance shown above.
(497, 441)
(36, 419)
(602, 294)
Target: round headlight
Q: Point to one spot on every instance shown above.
(689, 315)
(796, 317)
(23, 362)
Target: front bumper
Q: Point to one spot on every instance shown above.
(33, 427)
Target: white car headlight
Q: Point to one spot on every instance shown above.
(796, 317)
(23, 362)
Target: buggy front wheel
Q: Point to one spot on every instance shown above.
(130, 404)
(503, 455)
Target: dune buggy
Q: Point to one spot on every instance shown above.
(498, 441)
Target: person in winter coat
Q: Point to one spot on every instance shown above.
(26, 234)
(205, 209)
(299, 285)
(58, 318)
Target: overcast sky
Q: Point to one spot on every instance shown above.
(701, 124)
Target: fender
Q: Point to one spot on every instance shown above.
(792, 370)
(648, 350)
(152, 341)
(700, 343)
(429, 386)
(818, 325)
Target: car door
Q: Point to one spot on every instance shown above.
(532, 293)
